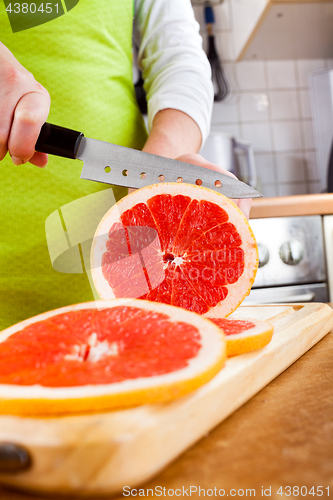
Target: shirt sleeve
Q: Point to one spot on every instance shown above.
(175, 68)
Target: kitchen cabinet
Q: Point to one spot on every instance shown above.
(283, 29)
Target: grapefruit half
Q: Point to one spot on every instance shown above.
(178, 244)
(244, 335)
(103, 355)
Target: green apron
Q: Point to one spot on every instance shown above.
(84, 60)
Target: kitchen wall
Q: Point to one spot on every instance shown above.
(269, 106)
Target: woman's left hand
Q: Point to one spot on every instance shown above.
(244, 204)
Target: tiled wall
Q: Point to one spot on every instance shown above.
(269, 106)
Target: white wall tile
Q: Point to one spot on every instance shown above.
(253, 106)
(308, 135)
(251, 75)
(315, 187)
(265, 166)
(311, 166)
(269, 190)
(287, 136)
(258, 134)
(306, 111)
(229, 69)
(306, 66)
(293, 189)
(224, 43)
(226, 111)
(290, 167)
(230, 128)
(281, 132)
(284, 104)
(281, 74)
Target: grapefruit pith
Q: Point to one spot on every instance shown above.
(244, 335)
(178, 244)
(104, 355)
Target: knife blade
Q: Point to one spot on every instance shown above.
(121, 166)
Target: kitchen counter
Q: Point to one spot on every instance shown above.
(283, 437)
(284, 206)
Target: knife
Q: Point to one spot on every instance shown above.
(113, 164)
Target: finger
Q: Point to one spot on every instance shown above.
(39, 159)
(10, 79)
(245, 206)
(3, 142)
(6, 114)
(30, 114)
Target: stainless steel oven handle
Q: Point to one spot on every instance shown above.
(305, 297)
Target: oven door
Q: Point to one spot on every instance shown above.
(317, 292)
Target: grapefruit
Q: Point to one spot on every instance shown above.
(244, 335)
(179, 244)
(104, 355)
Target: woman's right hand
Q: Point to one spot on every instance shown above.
(24, 107)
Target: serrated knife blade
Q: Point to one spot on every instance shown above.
(121, 166)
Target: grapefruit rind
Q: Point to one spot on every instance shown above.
(249, 340)
(236, 217)
(39, 401)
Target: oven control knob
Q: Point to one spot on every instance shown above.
(263, 254)
(291, 252)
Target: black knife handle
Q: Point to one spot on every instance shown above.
(58, 141)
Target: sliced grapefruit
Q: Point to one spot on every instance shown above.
(103, 355)
(244, 335)
(178, 244)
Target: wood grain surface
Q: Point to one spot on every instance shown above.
(283, 436)
(286, 206)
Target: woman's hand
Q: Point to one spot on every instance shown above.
(172, 134)
(244, 204)
(24, 107)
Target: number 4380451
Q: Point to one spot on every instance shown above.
(303, 491)
(31, 8)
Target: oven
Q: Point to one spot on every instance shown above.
(291, 261)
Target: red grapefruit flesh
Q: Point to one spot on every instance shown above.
(244, 335)
(178, 244)
(104, 355)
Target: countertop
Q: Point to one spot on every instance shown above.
(309, 204)
(283, 437)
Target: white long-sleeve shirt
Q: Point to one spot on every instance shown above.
(175, 68)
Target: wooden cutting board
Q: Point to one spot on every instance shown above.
(100, 453)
